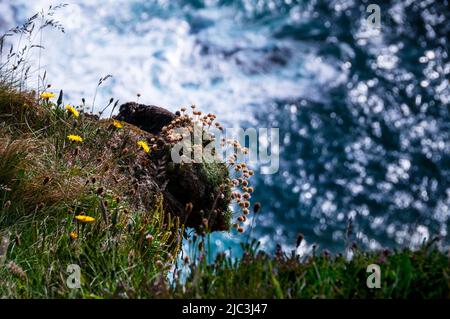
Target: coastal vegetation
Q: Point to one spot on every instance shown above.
(98, 194)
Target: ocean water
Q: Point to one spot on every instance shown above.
(363, 114)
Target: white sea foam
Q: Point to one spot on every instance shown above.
(160, 58)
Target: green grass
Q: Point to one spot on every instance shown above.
(46, 180)
(111, 260)
(127, 252)
(109, 256)
(404, 274)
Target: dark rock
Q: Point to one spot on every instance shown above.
(199, 184)
(149, 118)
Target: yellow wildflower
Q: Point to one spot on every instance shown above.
(144, 146)
(117, 124)
(72, 110)
(84, 218)
(75, 138)
(73, 235)
(47, 95)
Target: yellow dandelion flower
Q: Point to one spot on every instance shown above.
(144, 146)
(73, 235)
(75, 138)
(84, 218)
(47, 95)
(72, 110)
(117, 124)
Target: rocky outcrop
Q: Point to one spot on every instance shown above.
(149, 118)
(197, 193)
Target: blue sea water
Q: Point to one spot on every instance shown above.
(364, 114)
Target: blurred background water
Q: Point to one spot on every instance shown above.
(364, 115)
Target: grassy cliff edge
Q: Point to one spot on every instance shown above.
(73, 201)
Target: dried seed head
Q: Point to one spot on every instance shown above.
(188, 208)
(16, 270)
